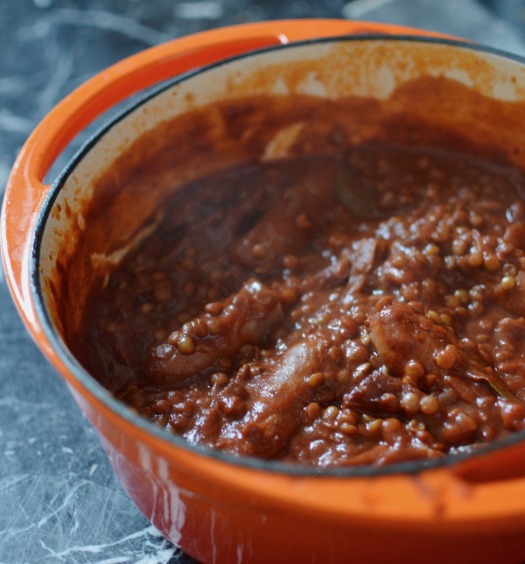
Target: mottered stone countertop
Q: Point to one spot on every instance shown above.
(59, 499)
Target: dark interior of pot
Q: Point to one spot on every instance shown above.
(323, 276)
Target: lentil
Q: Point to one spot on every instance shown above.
(429, 405)
(348, 429)
(185, 344)
(447, 357)
(508, 282)
(492, 263)
(414, 369)
(316, 380)
(331, 412)
(410, 403)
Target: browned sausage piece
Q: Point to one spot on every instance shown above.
(203, 344)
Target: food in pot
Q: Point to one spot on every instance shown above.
(359, 307)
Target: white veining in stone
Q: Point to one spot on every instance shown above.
(61, 73)
(12, 123)
(42, 4)
(359, 8)
(204, 9)
(62, 519)
(12, 85)
(101, 19)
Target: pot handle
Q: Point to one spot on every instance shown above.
(26, 190)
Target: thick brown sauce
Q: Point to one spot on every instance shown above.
(274, 314)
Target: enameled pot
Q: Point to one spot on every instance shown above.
(215, 507)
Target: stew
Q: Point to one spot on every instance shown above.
(364, 307)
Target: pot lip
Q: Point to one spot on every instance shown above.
(89, 384)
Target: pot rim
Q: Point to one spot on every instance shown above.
(89, 382)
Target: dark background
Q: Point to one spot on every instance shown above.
(59, 500)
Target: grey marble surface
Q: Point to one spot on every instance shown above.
(59, 500)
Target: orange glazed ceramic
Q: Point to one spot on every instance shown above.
(216, 507)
